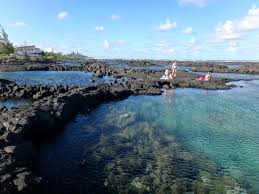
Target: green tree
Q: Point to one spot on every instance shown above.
(6, 47)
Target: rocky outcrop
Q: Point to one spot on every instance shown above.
(12, 90)
(246, 69)
(23, 128)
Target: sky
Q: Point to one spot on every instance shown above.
(137, 29)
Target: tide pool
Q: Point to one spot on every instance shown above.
(71, 78)
(187, 140)
(10, 103)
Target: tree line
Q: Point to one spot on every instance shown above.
(6, 47)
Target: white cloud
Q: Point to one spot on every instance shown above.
(168, 25)
(49, 49)
(236, 29)
(192, 41)
(198, 3)
(114, 17)
(188, 30)
(18, 24)
(62, 15)
(106, 44)
(99, 28)
(232, 49)
(114, 44)
(170, 50)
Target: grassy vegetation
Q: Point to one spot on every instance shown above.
(51, 56)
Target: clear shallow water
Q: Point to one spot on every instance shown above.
(10, 103)
(51, 77)
(187, 140)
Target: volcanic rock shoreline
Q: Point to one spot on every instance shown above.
(198, 66)
(52, 107)
(247, 69)
(21, 129)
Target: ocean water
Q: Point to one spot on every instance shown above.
(187, 140)
(10, 103)
(151, 67)
(72, 78)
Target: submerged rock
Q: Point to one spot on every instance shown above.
(9, 149)
(26, 181)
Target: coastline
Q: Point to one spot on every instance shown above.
(52, 107)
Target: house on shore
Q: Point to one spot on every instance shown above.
(31, 51)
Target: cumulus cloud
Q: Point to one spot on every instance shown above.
(18, 24)
(198, 3)
(62, 15)
(114, 17)
(236, 29)
(188, 30)
(114, 44)
(168, 25)
(99, 28)
(106, 44)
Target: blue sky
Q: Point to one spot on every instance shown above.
(156, 29)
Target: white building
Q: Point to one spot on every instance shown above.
(31, 51)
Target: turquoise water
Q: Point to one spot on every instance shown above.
(10, 103)
(51, 77)
(187, 140)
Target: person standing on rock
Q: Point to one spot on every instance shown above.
(174, 69)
